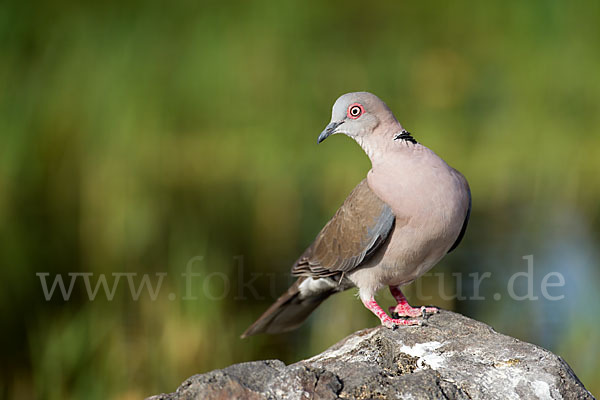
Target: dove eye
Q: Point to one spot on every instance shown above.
(355, 110)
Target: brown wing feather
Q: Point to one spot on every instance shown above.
(356, 230)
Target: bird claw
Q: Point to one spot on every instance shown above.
(395, 323)
(403, 311)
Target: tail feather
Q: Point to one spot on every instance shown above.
(288, 312)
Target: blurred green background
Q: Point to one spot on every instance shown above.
(137, 137)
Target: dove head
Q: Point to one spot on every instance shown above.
(364, 117)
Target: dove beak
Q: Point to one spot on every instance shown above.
(329, 130)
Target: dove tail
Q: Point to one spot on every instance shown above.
(289, 311)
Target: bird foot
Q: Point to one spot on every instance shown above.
(405, 310)
(385, 319)
(393, 323)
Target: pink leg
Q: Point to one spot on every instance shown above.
(372, 305)
(403, 309)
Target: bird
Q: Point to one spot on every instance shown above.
(408, 213)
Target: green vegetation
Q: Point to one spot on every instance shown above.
(137, 136)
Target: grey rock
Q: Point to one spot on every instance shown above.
(451, 357)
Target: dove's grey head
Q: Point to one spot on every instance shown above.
(361, 115)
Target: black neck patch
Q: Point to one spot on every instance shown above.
(405, 135)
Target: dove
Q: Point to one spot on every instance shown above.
(408, 213)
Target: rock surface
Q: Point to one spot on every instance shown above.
(451, 357)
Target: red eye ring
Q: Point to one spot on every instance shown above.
(355, 110)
